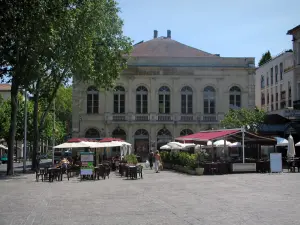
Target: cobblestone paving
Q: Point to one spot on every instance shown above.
(164, 198)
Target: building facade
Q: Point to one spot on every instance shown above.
(277, 82)
(168, 90)
(273, 83)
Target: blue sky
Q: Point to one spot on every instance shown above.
(232, 28)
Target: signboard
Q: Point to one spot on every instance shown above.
(87, 158)
(86, 171)
(87, 163)
(275, 162)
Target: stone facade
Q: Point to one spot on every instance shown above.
(169, 90)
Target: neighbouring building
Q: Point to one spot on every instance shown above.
(273, 83)
(277, 89)
(168, 90)
(5, 91)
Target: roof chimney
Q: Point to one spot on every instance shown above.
(155, 34)
(169, 34)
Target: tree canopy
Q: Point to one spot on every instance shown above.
(45, 42)
(250, 118)
(265, 58)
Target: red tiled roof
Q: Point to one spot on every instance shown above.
(166, 47)
(292, 31)
(207, 135)
(5, 87)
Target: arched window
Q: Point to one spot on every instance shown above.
(185, 132)
(119, 133)
(92, 133)
(141, 100)
(164, 100)
(186, 100)
(235, 97)
(209, 100)
(119, 99)
(92, 100)
(164, 132)
(141, 132)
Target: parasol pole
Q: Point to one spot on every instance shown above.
(243, 142)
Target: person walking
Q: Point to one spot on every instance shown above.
(150, 159)
(157, 161)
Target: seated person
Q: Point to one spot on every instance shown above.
(64, 163)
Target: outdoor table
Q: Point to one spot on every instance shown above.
(131, 171)
(54, 171)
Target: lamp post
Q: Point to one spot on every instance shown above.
(243, 142)
(25, 133)
(53, 137)
(80, 119)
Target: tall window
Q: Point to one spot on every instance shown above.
(141, 100)
(209, 100)
(262, 82)
(271, 72)
(281, 70)
(235, 97)
(186, 100)
(92, 100)
(164, 100)
(276, 74)
(119, 100)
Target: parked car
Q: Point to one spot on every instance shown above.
(4, 158)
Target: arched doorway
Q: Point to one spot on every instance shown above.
(141, 143)
(92, 133)
(119, 133)
(164, 136)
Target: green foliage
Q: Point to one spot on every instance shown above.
(250, 118)
(184, 158)
(265, 58)
(47, 132)
(131, 159)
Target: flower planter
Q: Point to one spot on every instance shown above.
(192, 172)
(167, 165)
(199, 171)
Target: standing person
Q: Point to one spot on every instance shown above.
(150, 159)
(157, 161)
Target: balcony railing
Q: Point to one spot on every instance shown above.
(173, 117)
(119, 117)
(164, 117)
(186, 118)
(141, 117)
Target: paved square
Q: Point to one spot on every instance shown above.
(164, 198)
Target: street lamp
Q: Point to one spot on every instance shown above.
(25, 133)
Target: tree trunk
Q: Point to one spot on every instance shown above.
(13, 126)
(35, 126)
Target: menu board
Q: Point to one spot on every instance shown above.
(87, 163)
(275, 162)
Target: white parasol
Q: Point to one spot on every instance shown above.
(291, 147)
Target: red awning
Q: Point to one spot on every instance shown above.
(207, 135)
(75, 140)
(110, 139)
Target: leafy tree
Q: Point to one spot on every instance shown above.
(265, 58)
(25, 35)
(45, 42)
(98, 56)
(250, 118)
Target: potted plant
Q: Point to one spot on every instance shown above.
(201, 157)
(131, 159)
